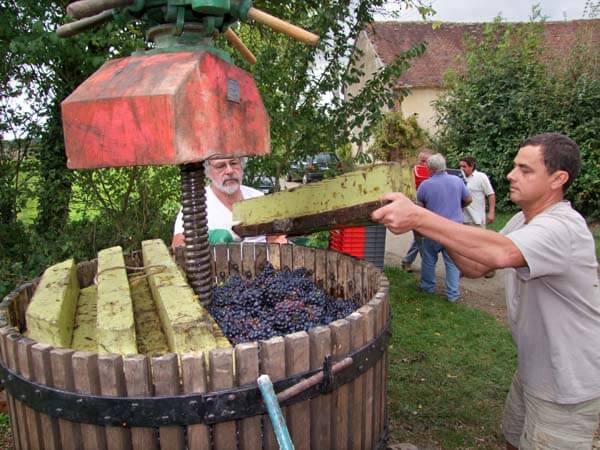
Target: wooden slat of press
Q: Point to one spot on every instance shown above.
(309, 261)
(321, 268)
(62, 376)
(331, 283)
(36, 436)
(385, 360)
(235, 259)
(272, 363)
(286, 257)
(340, 348)
(40, 358)
(112, 383)
(369, 314)
(357, 277)
(165, 377)
(136, 369)
(297, 257)
(378, 304)
(221, 378)
(248, 268)
(6, 358)
(341, 280)
(260, 257)
(85, 377)
(351, 283)
(275, 255)
(297, 360)
(221, 263)
(13, 364)
(320, 407)
(193, 368)
(356, 419)
(368, 282)
(246, 364)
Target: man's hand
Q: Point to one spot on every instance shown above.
(490, 217)
(400, 216)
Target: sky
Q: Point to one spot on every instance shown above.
(485, 11)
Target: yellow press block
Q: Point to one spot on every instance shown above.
(114, 322)
(51, 311)
(187, 325)
(344, 200)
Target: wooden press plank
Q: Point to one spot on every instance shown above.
(112, 383)
(246, 364)
(274, 251)
(62, 376)
(193, 370)
(379, 381)
(321, 268)
(85, 377)
(6, 359)
(369, 314)
(248, 268)
(320, 407)
(350, 283)
(21, 418)
(36, 436)
(84, 332)
(357, 277)
(272, 363)
(340, 348)
(40, 356)
(221, 378)
(221, 263)
(136, 369)
(52, 310)
(165, 377)
(309, 261)
(346, 199)
(297, 360)
(331, 281)
(342, 280)
(235, 259)
(297, 257)
(260, 257)
(286, 257)
(357, 403)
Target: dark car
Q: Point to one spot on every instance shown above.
(319, 165)
(264, 184)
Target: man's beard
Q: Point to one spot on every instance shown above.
(229, 188)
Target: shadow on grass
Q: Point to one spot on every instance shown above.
(450, 370)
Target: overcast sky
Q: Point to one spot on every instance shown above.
(485, 11)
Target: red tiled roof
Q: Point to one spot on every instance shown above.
(445, 44)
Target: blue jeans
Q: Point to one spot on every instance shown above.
(414, 249)
(429, 257)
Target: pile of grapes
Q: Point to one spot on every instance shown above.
(273, 304)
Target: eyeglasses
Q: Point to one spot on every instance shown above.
(220, 166)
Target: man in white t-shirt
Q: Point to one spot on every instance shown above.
(225, 189)
(481, 189)
(552, 293)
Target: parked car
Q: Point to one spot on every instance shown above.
(296, 171)
(319, 165)
(264, 184)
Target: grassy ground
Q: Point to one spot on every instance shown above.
(450, 369)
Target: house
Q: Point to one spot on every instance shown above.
(381, 42)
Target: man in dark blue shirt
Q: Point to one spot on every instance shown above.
(445, 195)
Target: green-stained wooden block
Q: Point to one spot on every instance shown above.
(187, 325)
(50, 315)
(84, 332)
(345, 200)
(114, 322)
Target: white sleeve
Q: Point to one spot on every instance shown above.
(178, 228)
(487, 186)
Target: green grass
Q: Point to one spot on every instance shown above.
(450, 370)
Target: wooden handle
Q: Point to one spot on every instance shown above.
(237, 43)
(87, 8)
(283, 27)
(73, 28)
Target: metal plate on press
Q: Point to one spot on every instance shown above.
(233, 91)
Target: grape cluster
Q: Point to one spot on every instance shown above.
(272, 304)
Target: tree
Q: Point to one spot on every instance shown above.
(397, 138)
(508, 92)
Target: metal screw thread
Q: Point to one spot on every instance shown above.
(196, 251)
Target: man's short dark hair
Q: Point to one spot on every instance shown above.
(470, 160)
(560, 153)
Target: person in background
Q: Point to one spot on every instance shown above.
(420, 172)
(480, 189)
(445, 195)
(225, 189)
(552, 293)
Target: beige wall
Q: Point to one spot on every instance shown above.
(419, 102)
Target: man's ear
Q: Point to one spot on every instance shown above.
(559, 179)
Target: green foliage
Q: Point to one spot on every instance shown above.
(510, 92)
(397, 138)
